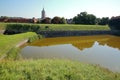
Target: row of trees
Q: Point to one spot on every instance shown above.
(17, 19)
(47, 20)
(82, 18)
(85, 18)
(55, 20)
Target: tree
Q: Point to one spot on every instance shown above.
(114, 23)
(97, 20)
(84, 18)
(63, 20)
(46, 20)
(104, 21)
(91, 19)
(56, 20)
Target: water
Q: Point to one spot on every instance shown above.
(101, 50)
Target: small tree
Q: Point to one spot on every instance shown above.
(104, 21)
(56, 20)
(46, 20)
(84, 18)
(114, 23)
(63, 21)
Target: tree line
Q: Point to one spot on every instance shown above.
(85, 18)
(82, 18)
(55, 20)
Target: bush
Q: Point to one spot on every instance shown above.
(20, 28)
(114, 23)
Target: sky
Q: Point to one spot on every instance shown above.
(62, 8)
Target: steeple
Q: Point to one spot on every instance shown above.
(43, 14)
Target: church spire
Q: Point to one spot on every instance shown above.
(43, 14)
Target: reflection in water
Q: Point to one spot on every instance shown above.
(102, 50)
(58, 51)
(80, 42)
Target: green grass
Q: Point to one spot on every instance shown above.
(63, 26)
(53, 69)
(8, 42)
(2, 26)
(74, 27)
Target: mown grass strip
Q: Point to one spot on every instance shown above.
(55, 27)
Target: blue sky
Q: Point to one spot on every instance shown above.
(62, 8)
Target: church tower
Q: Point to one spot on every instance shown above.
(43, 14)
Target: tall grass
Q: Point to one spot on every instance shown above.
(47, 69)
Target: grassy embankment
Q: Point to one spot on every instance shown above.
(53, 69)
(8, 42)
(62, 26)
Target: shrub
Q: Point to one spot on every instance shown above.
(20, 28)
(114, 23)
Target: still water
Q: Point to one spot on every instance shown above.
(103, 50)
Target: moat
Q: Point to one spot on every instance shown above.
(103, 50)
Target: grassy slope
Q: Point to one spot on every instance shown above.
(53, 70)
(64, 26)
(9, 41)
(75, 27)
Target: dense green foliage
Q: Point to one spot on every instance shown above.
(47, 69)
(102, 21)
(8, 42)
(58, 20)
(114, 23)
(47, 20)
(85, 18)
(20, 28)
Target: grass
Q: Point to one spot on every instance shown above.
(53, 69)
(8, 42)
(62, 26)
(2, 26)
(75, 27)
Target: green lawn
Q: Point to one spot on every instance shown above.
(75, 27)
(64, 26)
(7, 42)
(53, 69)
